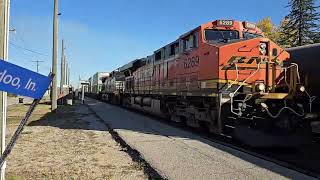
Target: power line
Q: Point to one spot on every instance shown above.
(17, 50)
(21, 52)
(22, 57)
(26, 62)
(27, 49)
(19, 36)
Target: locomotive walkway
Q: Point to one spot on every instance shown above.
(178, 154)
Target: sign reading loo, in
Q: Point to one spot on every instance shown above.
(21, 81)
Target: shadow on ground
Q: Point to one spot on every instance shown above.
(71, 117)
(80, 117)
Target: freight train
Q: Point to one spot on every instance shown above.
(307, 57)
(224, 76)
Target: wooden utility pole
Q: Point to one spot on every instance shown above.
(65, 70)
(4, 39)
(37, 61)
(68, 75)
(54, 57)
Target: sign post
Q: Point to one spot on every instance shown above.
(82, 95)
(21, 81)
(4, 38)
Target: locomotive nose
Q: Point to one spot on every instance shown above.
(255, 57)
(251, 51)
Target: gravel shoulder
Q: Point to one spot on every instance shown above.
(71, 144)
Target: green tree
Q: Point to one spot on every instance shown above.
(301, 25)
(270, 30)
(285, 36)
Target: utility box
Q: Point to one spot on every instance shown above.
(69, 102)
(20, 100)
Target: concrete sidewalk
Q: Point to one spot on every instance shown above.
(178, 154)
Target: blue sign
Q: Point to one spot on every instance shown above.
(21, 81)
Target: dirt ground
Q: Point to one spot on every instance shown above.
(71, 144)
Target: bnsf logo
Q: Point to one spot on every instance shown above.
(243, 60)
(191, 62)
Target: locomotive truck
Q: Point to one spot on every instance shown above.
(224, 76)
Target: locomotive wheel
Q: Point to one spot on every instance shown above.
(172, 114)
(213, 129)
(175, 118)
(228, 120)
(286, 131)
(192, 121)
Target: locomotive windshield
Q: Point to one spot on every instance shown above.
(247, 35)
(220, 36)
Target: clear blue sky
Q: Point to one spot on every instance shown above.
(102, 35)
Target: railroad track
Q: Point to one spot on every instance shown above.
(305, 160)
(272, 156)
(283, 156)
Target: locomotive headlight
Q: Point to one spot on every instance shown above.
(261, 87)
(302, 88)
(264, 105)
(263, 48)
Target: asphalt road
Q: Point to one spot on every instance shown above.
(178, 154)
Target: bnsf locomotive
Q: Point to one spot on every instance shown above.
(224, 76)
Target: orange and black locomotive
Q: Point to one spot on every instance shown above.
(224, 76)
